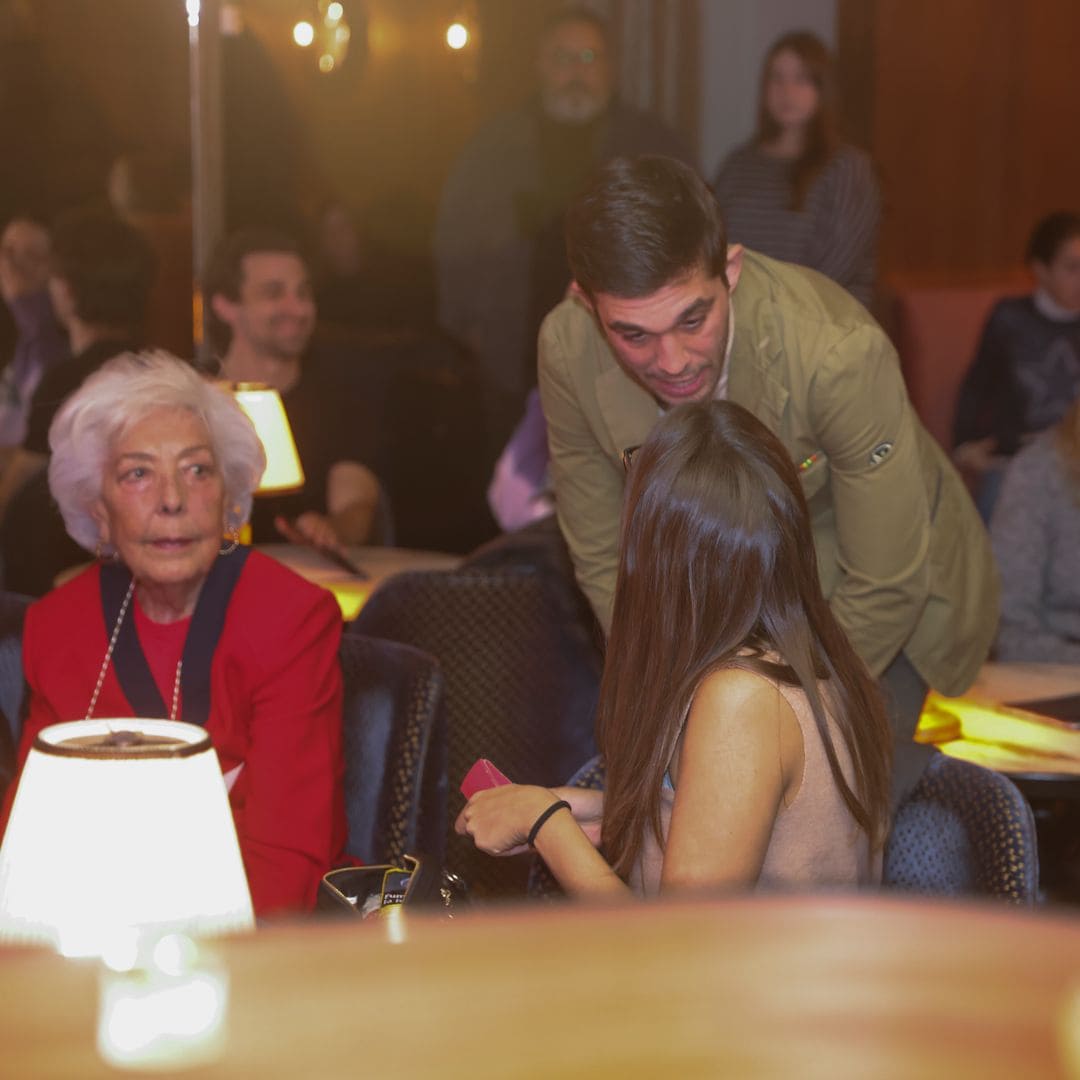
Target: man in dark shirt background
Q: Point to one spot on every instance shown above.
(260, 315)
(99, 279)
(501, 261)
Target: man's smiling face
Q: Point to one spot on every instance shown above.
(673, 341)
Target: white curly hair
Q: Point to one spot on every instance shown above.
(115, 398)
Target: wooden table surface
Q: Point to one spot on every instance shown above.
(350, 591)
(787, 987)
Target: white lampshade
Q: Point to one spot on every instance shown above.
(120, 826)
(266, 411)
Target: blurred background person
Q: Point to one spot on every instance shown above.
(100, 275)
(795, 191)
(501, 261)
(260, 316)
(154, 468)
(1035, 530)
(1026, 372)
(339, 267)
(39, 342)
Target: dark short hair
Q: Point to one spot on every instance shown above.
(1051, 234)
(642, 223)
(107, 265)
(224, 274)
(574, 13)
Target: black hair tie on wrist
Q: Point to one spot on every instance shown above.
(554, 808)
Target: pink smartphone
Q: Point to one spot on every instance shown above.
(480, 777)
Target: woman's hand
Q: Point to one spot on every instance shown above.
(499, 819)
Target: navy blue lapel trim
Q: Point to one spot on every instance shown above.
(207, 623)
(206, 626)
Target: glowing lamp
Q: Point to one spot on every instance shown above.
(265, 410)
(118, 828)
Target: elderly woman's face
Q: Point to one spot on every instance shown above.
(163, 499)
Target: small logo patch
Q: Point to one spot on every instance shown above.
(880, 453)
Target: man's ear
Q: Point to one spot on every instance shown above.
(223, 308)
(576, 292)
(734, 265)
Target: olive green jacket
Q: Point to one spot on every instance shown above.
(903, 557)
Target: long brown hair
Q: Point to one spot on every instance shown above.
(822, 137)
(717, 555)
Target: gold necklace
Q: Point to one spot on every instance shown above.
(108, 659)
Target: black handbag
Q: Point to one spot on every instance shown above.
(367, 891)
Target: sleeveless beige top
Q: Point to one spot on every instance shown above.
(815, 842)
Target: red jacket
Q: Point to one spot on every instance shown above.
(276, 701)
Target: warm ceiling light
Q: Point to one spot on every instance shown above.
(457, 36)
(326, 63)
(334, 12)
(303, 33)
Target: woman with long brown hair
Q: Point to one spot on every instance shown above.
(796, 191)
(745, 743)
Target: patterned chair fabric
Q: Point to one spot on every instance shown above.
(521, 688)
(395, 751)
(964, 831)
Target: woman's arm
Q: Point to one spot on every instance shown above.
(499, 820)
(739, 759)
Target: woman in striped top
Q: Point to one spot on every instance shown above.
(795, 191)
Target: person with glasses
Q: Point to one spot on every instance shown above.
(499, 253)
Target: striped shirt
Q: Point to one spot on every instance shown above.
(835, 232)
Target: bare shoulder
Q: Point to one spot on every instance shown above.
(733, 687)
(736, 703)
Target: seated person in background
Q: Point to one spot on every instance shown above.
(40, 342)
(153, 467)
(100, 275)
(795, 191)
(745, 742)
(260, 315)
(1027, 370)
(1035, 531)
(520, 491)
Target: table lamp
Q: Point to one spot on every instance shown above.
(265, 410)
(120, 827)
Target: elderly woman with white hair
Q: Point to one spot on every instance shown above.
(153, 468)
